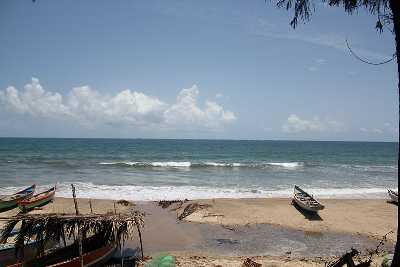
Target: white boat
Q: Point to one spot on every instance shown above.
(394, 196)
(306, 201)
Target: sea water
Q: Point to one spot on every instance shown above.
(149, 169)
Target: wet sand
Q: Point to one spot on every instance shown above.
(164, 233)
(271, 231)
(369, 217)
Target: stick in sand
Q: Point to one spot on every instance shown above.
(79, 229)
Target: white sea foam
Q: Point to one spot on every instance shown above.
(219, 164)
(289, 165)
(128, 163)
(143, 193)
(171, 164)
(177, 164)
(151, 164)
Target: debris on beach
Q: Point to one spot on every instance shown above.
(230, 228)
(166, 203)
(125, 203)
(250, 263)
(162, 260)
(191, 208)
(347, 258)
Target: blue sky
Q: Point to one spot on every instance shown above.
(192, 69)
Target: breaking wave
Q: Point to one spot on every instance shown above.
(146, 193)
(187, 164)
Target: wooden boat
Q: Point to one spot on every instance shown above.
(95, 253)
(93, 258)
(11, 201)
(305, 200)
(7, 252)
(38, 200)
(393, 195)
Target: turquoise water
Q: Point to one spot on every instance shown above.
(140, 169)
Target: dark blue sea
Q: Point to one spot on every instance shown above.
(143, 169)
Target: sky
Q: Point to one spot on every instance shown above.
(193, 69)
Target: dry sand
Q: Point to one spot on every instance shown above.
(371, 217)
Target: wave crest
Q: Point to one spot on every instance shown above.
(209, 164)
(146, 193)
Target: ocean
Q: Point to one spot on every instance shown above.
(149, 169)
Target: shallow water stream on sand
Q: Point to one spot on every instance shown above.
(162, 233)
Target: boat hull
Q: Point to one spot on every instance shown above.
(305, 206)
(94, 258)
(7, 255)
(95, 253)
(29, 204)
(10, 202)
(305, 201)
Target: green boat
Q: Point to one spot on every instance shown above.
(38, 200)
(11, 201)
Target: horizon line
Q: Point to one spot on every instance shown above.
(199, 139)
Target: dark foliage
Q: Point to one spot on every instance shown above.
(45, 228)
(303, 9)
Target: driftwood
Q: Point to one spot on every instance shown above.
(191, 208)
(250, 263)
(347, 258)
(125, 203)
(166, 203)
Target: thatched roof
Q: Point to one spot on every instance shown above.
(113, 228)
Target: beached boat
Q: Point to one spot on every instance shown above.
(95, 253)
(11, 201)
(7, 252)
(93, 258)
(38, 200)
(393, 195)
(305, 200)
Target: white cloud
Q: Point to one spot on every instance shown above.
(387, 128)
(295, 124)
(34, 100)
(219, 95)
(90, 107)
(186, 111)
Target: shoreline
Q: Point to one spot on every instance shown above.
(269, 230)
(372, 218)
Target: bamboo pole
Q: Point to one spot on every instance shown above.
(75, 201)
(90, 204)
(79, 228)
(140, 238)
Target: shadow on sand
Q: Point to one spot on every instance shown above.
(311, 216)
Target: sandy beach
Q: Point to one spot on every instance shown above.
(370, 217)
(269, 231)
